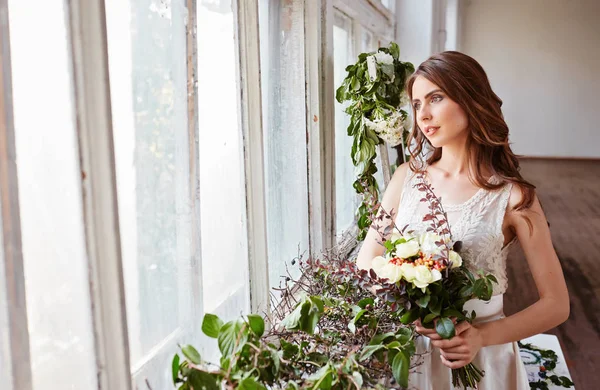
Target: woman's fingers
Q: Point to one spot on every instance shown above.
(450, 356)
(454, 364)
(462, 327)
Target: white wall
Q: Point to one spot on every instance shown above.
(543, 60)
(414, 30)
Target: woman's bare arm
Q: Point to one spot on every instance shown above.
(552, 309)
(390, 201)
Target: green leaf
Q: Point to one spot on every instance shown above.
(292, 320)
(211, 324)
(291, 385)
(322, 378)
(340, 93)
(359, 315)
(365, 301)
(232, 335)
(400, 366)
(201, 380)
(436, 308)
(394, 50)
(380, 338)
(289, 350)
(410, 316)
(175, 369)
(276, 357)
(250, 384)
(445, 328)
(355, 84)
(492, 278)
(358, 379)
(429, 317)
(257, 324)
(191, 354)
(451, 312)
(368, 351)
(423, 301)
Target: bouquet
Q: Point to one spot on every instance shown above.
(424, 278)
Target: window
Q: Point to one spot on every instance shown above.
(284, 128)
(54, 253)
(225, 283)
(148, 74)
(346, 199)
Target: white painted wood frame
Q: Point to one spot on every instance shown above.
(94, 120)
(248, 40)
(15, 367)
(320, 93)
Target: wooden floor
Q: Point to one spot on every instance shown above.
(570, 194)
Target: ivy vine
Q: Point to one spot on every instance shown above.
(375, 90)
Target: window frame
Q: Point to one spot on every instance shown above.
(14, 336)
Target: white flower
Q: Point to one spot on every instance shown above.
(372, 67)
(395, 236)
(384, 58)
(455, 259)
(428, 245)
(424, 277)
(408, 272)
(392, 272)
(407, 249)
(389, 129)
(378, 263)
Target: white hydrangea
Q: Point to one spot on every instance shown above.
(384, 58)
(389, 129)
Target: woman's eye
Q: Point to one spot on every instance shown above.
(416, 106)
(436, 98)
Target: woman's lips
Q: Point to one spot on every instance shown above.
(431, 130)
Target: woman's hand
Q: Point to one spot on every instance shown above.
(462, 348)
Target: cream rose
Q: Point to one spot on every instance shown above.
(395, 236)
(455, 259)
(408, 272)
(424, 277)
(392, 272)
(407, 249)
(378, 263)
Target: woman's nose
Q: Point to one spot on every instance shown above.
(424, 114)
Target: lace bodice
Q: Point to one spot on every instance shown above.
(476, 222)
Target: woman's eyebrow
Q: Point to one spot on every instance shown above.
(429, 94)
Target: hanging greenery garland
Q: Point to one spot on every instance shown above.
(375, 90)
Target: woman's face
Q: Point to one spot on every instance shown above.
(441, 119)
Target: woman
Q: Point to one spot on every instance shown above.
(489, 206)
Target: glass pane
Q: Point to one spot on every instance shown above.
(148, 75)
(346, 199)
(284, 121)
(222, 185)
(54, 255)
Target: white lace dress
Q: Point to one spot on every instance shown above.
(478, 224)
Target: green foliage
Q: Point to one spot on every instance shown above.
(371, 99)
(334, 335)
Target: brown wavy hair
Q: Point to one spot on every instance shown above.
(464, 81)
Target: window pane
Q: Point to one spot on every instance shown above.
(148, 75)
(222, 185)
(346, 199)
(56, 272)
(284, 121)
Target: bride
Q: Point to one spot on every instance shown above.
(489, 206)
